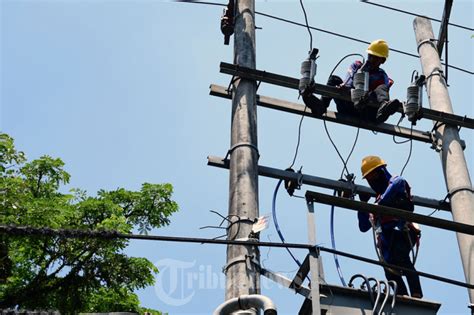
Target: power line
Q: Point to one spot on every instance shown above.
(110, 234)
(325, 31)
(415, 14)
(307, 26)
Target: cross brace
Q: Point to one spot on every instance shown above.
(389, 211)
(326, 183)
(324, 90)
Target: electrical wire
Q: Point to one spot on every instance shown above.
(307, 26)
(13, 230)
(331, 225)
(335, 148)
(299, 137)
(415, 14)
(324, 31)
(277, 226)
(411, 149)
(393, 137)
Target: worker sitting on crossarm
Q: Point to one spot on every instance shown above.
(395, 237)
(378, 89)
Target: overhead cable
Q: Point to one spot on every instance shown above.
(415, 14)
(103, 234)
(325, 31)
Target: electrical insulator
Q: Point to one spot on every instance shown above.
(361, 86)
(414, 99)
(227, 22)
(308, 71)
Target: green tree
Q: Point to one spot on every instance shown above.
(72, 275)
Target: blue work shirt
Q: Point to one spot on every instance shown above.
(376, 77)
(397, 195)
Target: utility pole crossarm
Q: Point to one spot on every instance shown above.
(333, 92)
(326, 183)
(389, 211)
(299, 109)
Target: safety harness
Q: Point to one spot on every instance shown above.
(409, 229)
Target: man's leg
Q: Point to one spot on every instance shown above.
(412, 278)
(333, 80)
(387, 107)
(401, 287)
(314, 103)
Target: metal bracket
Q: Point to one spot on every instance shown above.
(241, 144)
(436, 71)
(241, 259)
(453, 191)
(241, 219)
(436, 143)
(428, 40)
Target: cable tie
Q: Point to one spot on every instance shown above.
(241, 144)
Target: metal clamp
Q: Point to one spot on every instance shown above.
(240, 259)
(428, 40)
(436, 71)
(241, 144)
(454, 191)
(241, 219)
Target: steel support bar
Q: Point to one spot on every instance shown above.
(303, 290)
(294, 108)
(325, 183)
(313, 259)
(292, 83)
(443, 29)
(388, 211)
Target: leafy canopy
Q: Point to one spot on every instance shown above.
(72, 275)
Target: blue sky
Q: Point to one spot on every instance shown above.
(119, 91)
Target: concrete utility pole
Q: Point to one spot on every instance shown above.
(242, 276)
(454, 165)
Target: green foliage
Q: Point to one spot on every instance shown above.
(72, 275)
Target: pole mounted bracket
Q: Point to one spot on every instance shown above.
(250, 259)
(436, 139)
(242, 144)
(455, 190)
(428, 40)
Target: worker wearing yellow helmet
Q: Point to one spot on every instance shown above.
(395, 237)
(378, 89)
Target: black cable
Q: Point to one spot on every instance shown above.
(342, 59)
(307, 26)
(335, 147)
(299, 138)
(324, 31)
(70, 233)
(393, 137)
(409, 154)
(414, 14)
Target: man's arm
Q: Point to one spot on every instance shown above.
(364, 222)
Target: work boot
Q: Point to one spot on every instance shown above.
(315, 104)
(386, 109)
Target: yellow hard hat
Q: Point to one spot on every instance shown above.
(370, 163)
(378, 48)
